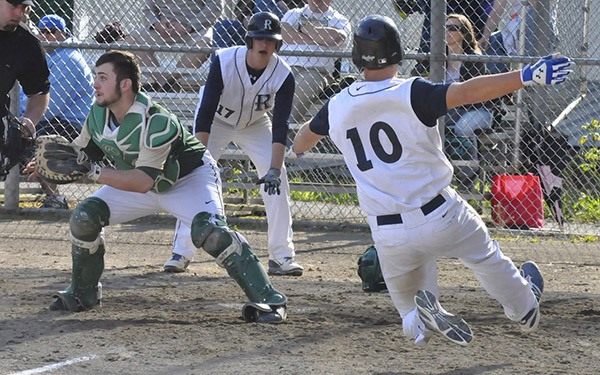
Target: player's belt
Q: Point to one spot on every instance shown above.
(427, 208)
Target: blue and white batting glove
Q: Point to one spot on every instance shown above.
(271, 181)
(549, 70)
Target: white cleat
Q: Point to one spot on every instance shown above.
(439, 320)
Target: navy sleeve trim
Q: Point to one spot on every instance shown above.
(320, 123)
(284, 99)
(428, 100)
(210, 99)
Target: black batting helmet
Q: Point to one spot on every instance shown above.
(376, 43)
(264, 25)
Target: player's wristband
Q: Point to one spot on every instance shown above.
(95, 172)
(27, 122)
(291, 154)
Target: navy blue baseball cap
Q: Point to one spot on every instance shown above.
(18, 2)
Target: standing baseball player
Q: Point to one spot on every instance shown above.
(160, 167)
(243, 85)
(386, 129)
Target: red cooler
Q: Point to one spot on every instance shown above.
(517, 201)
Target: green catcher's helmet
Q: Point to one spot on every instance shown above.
(369, 271)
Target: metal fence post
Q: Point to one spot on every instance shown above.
(437, 56)
(11, 184)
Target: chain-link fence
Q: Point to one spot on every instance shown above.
(547, 132)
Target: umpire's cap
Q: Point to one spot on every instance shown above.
(376, 43)
(264, 25)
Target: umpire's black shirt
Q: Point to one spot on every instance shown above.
(22, 58)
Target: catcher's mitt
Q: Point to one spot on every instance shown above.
(16, 144)
(57, 161)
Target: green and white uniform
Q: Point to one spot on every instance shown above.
(152, 140)
(187, 185)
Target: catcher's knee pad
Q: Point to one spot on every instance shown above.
(86, 223)
(211, 233)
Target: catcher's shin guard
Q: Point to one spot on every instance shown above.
(87, 252)
(85, 291)
(267, 305)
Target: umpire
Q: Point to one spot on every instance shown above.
(22, 59)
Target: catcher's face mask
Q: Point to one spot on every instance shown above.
(16, 144)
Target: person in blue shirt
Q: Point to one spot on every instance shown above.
(71, 93)
(231, 32)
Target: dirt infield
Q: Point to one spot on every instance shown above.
(157, 323)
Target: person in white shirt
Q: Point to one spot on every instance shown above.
(507, 14)
(314, 27)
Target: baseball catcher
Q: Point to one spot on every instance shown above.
(59, 162)
(159, 166)
(16, 144)
(110, 33)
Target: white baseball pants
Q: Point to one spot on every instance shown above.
(408, 253)
(256, 142)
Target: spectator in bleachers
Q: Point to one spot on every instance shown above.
(314, 27)
(277, 7)
(113, 32)
(462, 122)
(71, 93)
(474, 10)
(185, 22)
(506, 40)
(231, 32)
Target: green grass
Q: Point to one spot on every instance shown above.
(311, 196)
(586, 209)
(587, 238)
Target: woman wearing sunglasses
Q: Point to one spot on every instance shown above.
(462, 122)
